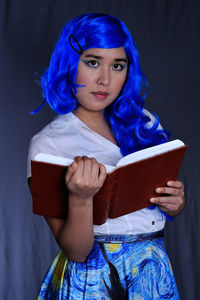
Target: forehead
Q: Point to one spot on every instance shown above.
(111, 53)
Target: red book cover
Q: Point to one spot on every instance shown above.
(127, 189)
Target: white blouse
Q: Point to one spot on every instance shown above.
(68, 136)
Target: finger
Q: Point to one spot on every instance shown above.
(168, 208)
(94, 170)
(79, 171)
(87, 168)
(77, 158)
(167, 200)
(102, 174)
(170, 191)
(168, 205)
(177, 184)
(70, 171)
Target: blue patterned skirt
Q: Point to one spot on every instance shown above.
(119, 267)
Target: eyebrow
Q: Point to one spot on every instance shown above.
(100, 57)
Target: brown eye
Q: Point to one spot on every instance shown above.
(93, 63)
(118, 67)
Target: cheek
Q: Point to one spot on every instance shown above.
(83, 76)
(119, 84)
(84, 79)
(80, 78)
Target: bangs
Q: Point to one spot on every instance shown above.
(102, 32)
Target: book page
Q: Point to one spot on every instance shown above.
(131, 158)
(149, 152)
(53, 159)
(63, 161)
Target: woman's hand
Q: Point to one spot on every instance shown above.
(75, 235)
(84, 177)
(173, 202)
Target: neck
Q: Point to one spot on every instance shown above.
(96, 122)
(90, 118)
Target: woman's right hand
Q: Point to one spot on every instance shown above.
(75, 235)
(84, 177)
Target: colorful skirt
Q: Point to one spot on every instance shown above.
(119, 267)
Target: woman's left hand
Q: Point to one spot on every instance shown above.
(172, 200)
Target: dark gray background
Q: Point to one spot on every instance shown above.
(167, 35)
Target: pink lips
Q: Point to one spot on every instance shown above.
(100, 95)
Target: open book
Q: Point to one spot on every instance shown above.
(128, 186)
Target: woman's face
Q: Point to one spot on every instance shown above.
(103, 73)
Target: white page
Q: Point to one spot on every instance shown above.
(53, 159)
(133, 157)
(150, 152)
(58, 160)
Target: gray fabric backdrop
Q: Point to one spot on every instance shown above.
(167, 34)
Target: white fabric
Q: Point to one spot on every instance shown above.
(68, 136)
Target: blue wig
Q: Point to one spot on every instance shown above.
(125, 115)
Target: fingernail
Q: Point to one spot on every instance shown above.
(158, 190)
(152, 200)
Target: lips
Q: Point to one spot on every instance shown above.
(100, 95)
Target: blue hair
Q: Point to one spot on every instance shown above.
(125, 115)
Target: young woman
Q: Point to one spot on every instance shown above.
(94, 83)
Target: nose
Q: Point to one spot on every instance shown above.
(104, 76)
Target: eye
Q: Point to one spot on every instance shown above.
(118, 67)
(92, 63)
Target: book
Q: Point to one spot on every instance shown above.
(128, 186)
